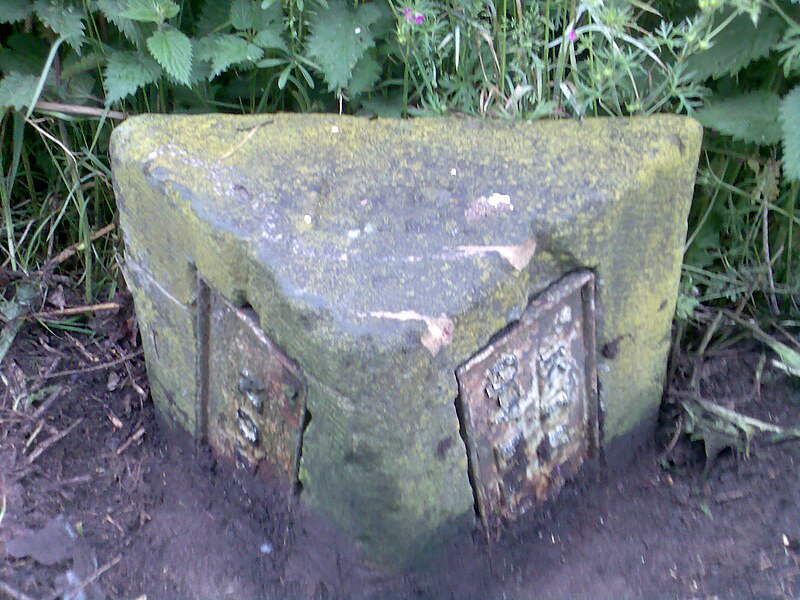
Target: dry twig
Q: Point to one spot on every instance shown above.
(74, 248)
(77, 109)
(88, 581)
(76, 310)
(252, 131)
(39, 412)
(129, 442)
(101, 367)
(13, 592)
(52, 440)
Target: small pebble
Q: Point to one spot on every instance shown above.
(334, 129)
(265, 548)
(307, 219)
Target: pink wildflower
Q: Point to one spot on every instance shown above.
(413, 17)
(571, 35)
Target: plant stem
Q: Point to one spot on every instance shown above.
(790, 234)
(405, 79)
(504, 30)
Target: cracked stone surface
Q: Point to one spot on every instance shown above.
(379, 256)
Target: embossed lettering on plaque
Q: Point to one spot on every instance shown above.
(529, 402)
(256, 395)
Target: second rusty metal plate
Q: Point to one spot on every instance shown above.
(256, 395)
(529, 402)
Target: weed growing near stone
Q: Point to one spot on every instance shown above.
(72, 69)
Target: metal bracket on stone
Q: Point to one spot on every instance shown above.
(529, 402)
(255, 394)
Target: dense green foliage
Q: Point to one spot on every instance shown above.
(70, 69)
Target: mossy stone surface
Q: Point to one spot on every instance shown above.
(380, 255)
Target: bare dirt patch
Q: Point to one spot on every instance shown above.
(99, 501)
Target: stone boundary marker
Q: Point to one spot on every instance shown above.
(407, 322)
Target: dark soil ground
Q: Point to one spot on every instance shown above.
(96, 499)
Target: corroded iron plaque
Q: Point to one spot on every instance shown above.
(256, 395)
(529, 402)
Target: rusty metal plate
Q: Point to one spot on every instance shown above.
(529, 402)
(256, 395)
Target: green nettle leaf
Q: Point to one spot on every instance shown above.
(226, 50)
(173, 51)
(64, 18)
(126, 72)
(365, 75)
(339, 37)
(201, 69)
(244, 14)
(205, 47)
(386, 108)
(12, 11)
(78, 89)
(150, 11)
(24, 53)
(751, 117)
(790, 128)
(271, 38)
(736, 46)
(17, 90)
(214, 16)
(113, 9)
(270, 17)
(790, 47)
(371, 13)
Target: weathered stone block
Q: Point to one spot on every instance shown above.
(407, 317)
(170, 349)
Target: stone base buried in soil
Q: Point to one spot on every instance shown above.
(400, 317)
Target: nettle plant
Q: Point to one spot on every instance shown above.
(116, 48)
(742, 249)
(70, 68)
(502, 57)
